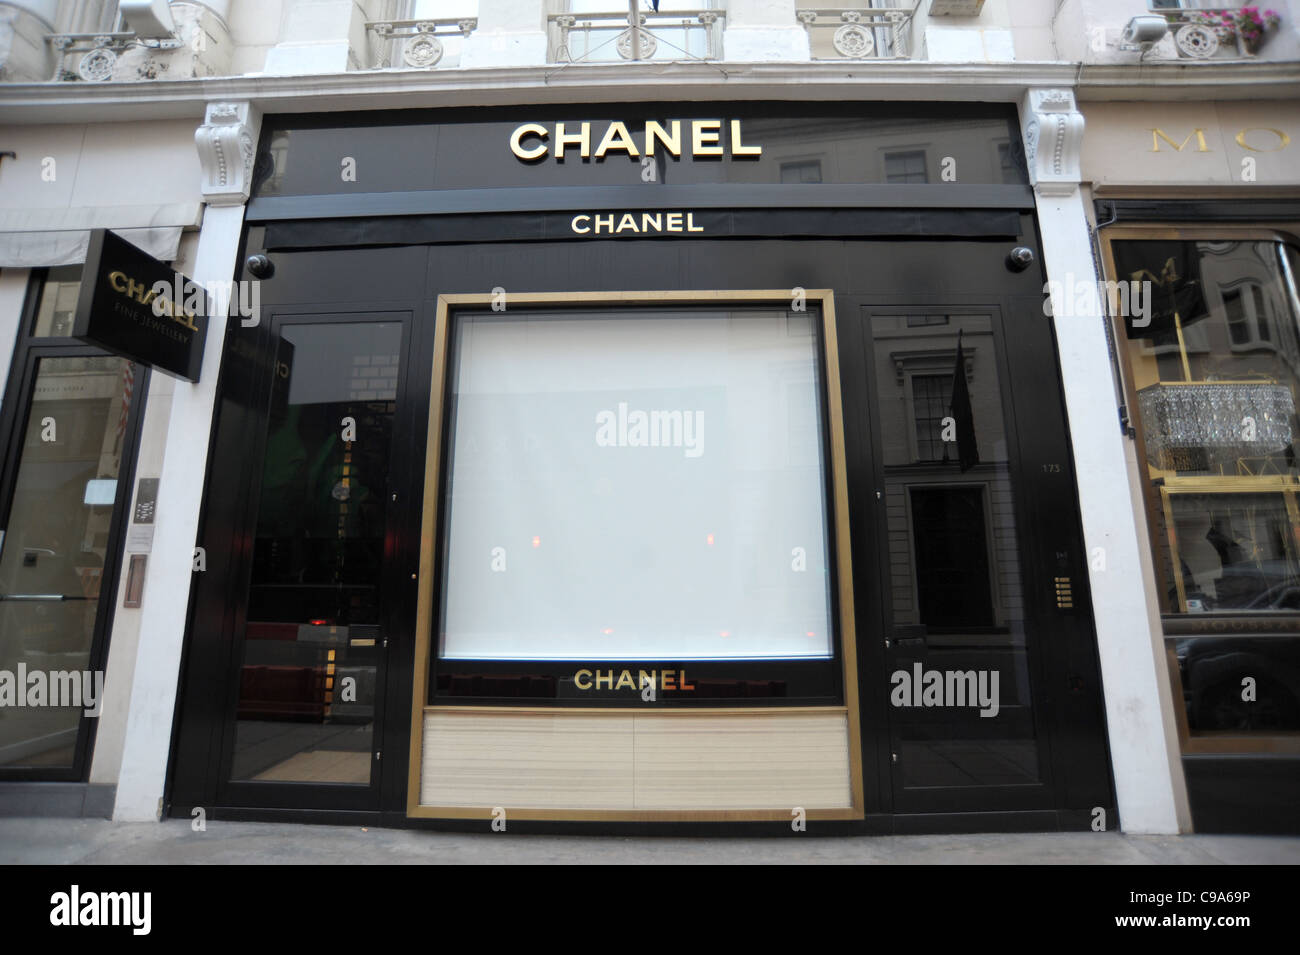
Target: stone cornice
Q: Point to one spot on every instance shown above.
(615, 82)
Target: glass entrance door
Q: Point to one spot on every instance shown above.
(312, 658)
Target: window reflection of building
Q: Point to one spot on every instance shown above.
(918, 354)
(931, 402)
(807, 171)
(849, 150)
(906, 167)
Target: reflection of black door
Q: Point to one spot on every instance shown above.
(952, 557)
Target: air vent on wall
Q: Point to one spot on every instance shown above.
(956, 8)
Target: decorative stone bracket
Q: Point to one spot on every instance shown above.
(227, 143)
(1053, 134)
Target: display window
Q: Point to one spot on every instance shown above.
(1211, 353)
(635, 496)
(601, 461)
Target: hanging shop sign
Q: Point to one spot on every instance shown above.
(140, 308)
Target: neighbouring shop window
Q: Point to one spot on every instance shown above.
(1214, 357)
(56, 305)
(636, 485)
(56, 548)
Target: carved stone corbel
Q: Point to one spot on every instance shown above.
(1053, 135)
(227, 144)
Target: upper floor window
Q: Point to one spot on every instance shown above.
(413, 51)
(597, 30)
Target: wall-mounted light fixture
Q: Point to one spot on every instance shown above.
(1144, 32)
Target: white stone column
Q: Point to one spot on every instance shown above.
(1139, 704)
(509, 33)
(765, 30)
(226, 143)
(13, 295)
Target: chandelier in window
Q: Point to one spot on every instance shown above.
(1188, 423)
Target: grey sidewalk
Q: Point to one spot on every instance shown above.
(97, 841)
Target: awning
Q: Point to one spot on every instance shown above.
(29, 250)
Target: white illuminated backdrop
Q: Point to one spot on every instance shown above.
(636, 485)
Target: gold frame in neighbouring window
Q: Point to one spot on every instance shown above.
(1282, 484)
(1223, 743)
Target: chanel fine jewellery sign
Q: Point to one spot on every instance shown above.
(140, 308)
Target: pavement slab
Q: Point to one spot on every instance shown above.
(173, 842)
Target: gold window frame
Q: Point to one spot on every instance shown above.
(1282, 485)
(427, 600)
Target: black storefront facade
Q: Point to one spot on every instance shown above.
(699, 466)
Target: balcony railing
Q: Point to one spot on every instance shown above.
(607, 37)
(1202, 35)
(93, 57)
(883, 33)
(415, 44)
